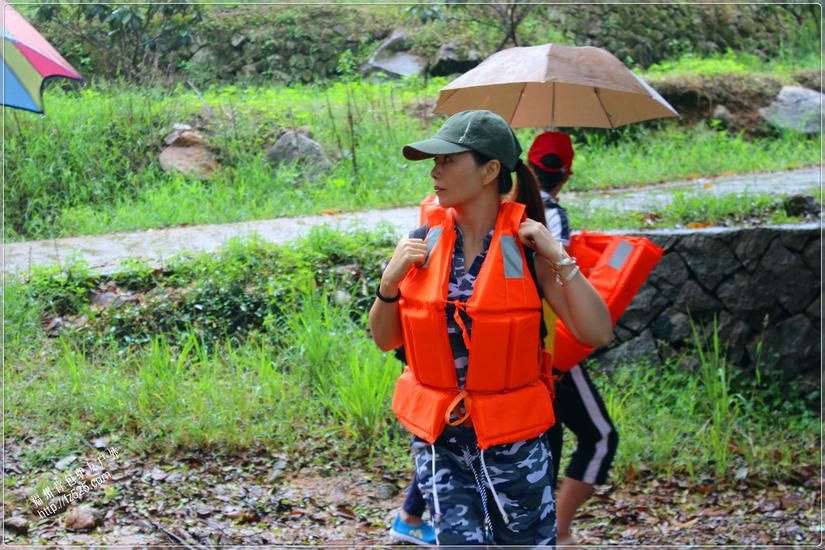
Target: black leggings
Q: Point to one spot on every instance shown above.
(414, 503)
(580, 408)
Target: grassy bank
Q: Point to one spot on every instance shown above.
(105, 176)
(261, 345)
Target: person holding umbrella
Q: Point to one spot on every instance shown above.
(578, 404)
(466, 305)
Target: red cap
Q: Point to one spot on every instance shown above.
(552, 143)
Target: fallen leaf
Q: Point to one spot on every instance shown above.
(688, 524)
(345, 512)
(793, 500)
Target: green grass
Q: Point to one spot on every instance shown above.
(689, 210)
(672, 420)
(228, 395)
(104, 175)
(732, 62)
(674, 153)
(306, 361)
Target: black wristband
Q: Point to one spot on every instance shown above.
(384, 298)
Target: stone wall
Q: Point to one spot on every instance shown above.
(763, 285)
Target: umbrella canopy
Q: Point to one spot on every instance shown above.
(28, 60)
(555, 86)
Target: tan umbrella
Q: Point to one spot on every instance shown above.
(555, 86)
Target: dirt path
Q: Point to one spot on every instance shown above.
(105, 252)
(261, 497)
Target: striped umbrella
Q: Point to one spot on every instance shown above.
(28, 60)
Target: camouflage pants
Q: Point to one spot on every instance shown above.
(469, 514)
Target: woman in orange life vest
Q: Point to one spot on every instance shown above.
(473, 394)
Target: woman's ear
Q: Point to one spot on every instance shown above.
(491, 171)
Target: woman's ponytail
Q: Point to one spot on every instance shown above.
(527, 192)
(526, 187)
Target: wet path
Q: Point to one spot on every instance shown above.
(104, 252)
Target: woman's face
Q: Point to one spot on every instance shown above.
(457, 179)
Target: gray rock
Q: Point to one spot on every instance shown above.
(64, 462)
(293, 147)
(752, 244)
(792, 346)
(709, 258)
(642, 348)
(669, 275)
(801, 205)
(184, 138)
(17, 524)
(645, 306)
(794, 237)
(451, 59)
(794, 284)
(385, 491)
(237, 40)
(734, 335)
(795, 108)
(204, 56)
(622, 334)
(83, 518)
(693, 299)
(103, 299)
(720, 112)
(392, 57)
(814, 310)
(813, 255)
(671, 326)
(744, 296)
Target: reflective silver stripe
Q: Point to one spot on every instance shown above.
(432, 239)
(513, 266)
(619, 256)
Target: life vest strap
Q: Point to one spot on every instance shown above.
(461, 306)
(462, 395)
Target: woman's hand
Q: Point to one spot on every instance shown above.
(536, 236)
(385, 321)
(408, 252)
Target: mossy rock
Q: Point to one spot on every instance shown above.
(291, 44)
(646, 34)
(809, 79)
(696, 96)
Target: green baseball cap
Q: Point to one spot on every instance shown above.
(478, 130)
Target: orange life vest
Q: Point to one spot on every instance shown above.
(617, 267)
(505, 395)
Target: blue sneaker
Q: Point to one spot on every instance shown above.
(423, 534)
